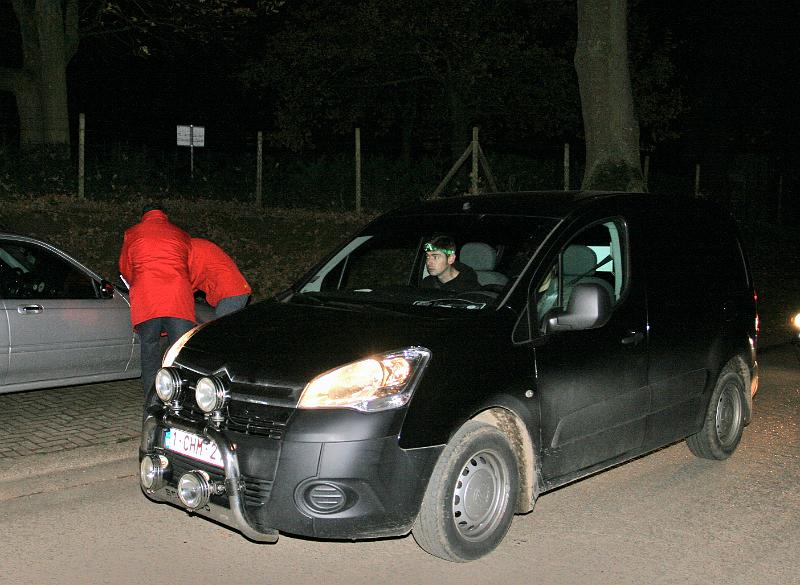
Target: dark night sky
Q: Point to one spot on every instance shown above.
(738, 61)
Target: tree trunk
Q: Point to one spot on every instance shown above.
(49, 40)
(53, 72)
(610, 125)
(29, 108)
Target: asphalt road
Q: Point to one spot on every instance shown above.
(80, 518)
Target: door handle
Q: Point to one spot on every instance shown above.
(633, 338)
(29, 309)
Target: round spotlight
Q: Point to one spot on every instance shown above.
(168, 384)
(152, 471)
(210, 394)
(194, 489)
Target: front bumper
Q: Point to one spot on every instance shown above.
(353, 489)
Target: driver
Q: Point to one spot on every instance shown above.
(444, 271)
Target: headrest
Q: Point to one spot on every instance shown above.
(579, 259)
(478, 256)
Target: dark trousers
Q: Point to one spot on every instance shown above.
(150, 339)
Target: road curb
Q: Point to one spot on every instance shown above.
(42, 473)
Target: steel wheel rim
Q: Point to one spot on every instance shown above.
(729, 414)
(480, 495)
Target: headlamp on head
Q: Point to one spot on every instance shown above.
(431, 248)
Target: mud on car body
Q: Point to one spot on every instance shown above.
(359, 404)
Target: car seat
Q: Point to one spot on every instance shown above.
(580, 266)
(482, 258)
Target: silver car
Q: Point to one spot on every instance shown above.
(60, 322)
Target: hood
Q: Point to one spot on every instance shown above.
(288, 344)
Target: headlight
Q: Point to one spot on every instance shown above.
(152, 470)
(377, 383)
(168, 384)
(796, 321)
(210, 394)
(195, 489)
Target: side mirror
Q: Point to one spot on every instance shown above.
(106, 290)
(589, 306)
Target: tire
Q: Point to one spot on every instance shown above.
(724, 422)
(471, 496)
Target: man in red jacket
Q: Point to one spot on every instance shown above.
(216, 274)
(155, 262)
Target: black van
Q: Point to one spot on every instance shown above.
(590, 328)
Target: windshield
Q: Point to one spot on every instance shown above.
(462, 262)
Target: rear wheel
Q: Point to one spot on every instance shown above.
(724, 422)
(469, 504)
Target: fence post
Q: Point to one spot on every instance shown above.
(81, 160)
(473, 189)
(259, 167)
(358, 170)
(566, 166)
(646, 172)
(697, 179)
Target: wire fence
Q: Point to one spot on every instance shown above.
(124, 162)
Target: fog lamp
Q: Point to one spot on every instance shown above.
(210, 394)
(168, 384)
(195, 489)
(152, 471)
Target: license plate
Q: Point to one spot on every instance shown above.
(193, 446)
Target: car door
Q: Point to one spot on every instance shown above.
(695, 264)
(591, 382)
(4, 341)
(61, 326)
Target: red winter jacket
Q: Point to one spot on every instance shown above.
(155, 262)
(215, 273)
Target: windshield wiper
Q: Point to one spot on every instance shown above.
(313, 298)
(367, 306)
(317, 299)
(452, 304)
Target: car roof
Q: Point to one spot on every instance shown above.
(553, 204)
(13, 236)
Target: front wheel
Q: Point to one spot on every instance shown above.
(724, 422)
(469, 503)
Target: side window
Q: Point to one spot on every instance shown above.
(28, 271)
(373, 267)
(598, 255)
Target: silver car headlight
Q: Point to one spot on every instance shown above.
(377, 383)
(168, 384)
(210, 394)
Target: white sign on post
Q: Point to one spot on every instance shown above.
(191, 135)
